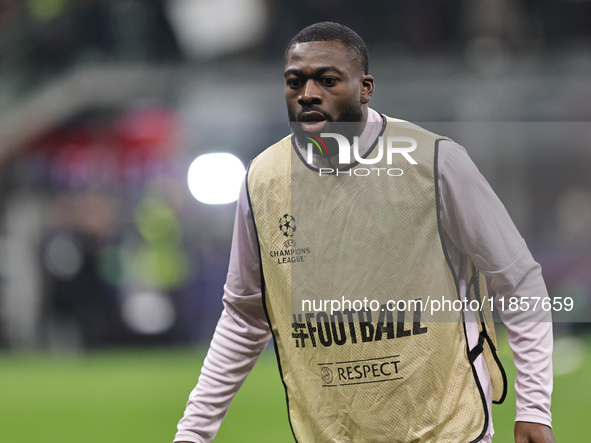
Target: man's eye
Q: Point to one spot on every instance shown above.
(294, 83)
(329, 81)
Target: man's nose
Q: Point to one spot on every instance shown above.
(310, 94)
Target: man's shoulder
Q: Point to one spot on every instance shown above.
(273, 157)
(278, 148)
(404, 127)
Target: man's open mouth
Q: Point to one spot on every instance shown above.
(312, 121)
(312, 116)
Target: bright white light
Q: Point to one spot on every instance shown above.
(215, 179)
(206, 28)
(148, 312)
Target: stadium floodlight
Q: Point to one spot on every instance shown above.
(148, 313)
(215, 179)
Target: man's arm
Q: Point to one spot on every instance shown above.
(240, 336)
(479, 226)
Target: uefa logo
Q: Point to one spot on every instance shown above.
(326, 374)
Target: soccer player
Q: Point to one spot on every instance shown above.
(319, 219)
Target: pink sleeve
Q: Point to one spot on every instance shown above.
(240, 336)
(479, 226)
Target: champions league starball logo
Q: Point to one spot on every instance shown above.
(289, 255)
(287, 225)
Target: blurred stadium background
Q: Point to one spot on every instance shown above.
(111, 272)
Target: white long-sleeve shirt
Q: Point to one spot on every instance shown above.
(475, 224)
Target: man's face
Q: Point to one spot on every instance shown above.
(324, 83)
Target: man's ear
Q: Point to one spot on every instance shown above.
(367, 88)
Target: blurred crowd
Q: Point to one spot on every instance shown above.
(104, 103)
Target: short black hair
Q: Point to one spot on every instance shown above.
(330, 32)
